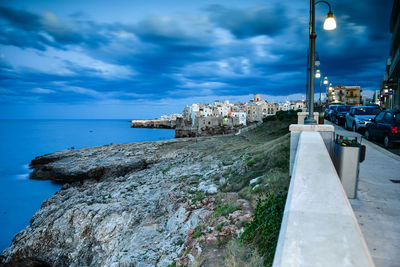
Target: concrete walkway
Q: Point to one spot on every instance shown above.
(377, 206)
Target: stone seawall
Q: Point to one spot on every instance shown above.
(163, 124)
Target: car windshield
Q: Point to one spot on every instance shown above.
(343, 108)
(367, 111)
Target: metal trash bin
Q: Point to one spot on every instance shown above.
(348, 154)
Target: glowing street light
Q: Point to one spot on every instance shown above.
(326, 80)
(330, 21)
(318, 74)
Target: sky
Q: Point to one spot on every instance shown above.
(135, 59)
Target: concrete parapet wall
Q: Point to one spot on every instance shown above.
(301, 116)
(318, 227)
(326, 132)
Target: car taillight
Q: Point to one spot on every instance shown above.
(394, 130)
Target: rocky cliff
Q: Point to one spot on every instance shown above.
(143, 204)
(162, 124)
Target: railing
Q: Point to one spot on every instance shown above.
(318, 227)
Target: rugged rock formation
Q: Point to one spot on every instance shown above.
(147, 204)
(130, 204)
(164, 124)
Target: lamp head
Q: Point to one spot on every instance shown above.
(326, 80)
(318, 74)
(317, 62)
(330, 22)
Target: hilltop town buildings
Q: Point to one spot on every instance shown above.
(235, 115)
(218, 118)
(390, 92)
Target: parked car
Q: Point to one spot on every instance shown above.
(338, 115)
(329, 109)
(385, 127)
(373, 105)
(359, 117)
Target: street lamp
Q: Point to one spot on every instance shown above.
(329, 24)
(326, 80)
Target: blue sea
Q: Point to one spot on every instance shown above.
(23, 140)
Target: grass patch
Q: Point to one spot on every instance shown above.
(226, 209)
(200, 196)
(238, 254)
(198, 231)
(219, 226)
(166, 170)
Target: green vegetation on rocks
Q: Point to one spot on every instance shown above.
(263, 231)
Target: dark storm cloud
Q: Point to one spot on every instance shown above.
(225, 51)
(265, 20)
(27, 29)
(48, 22)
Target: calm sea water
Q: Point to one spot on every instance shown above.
(22, 140)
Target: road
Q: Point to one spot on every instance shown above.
(377, 206)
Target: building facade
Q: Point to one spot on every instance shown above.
(349, 95)
(390, 92)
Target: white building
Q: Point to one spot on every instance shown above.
(285, 106)
(241, 115)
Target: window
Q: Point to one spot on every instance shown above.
(343, 108)
(379, 117)
(367, 111)
(388, 118)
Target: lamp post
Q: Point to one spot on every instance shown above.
(329, 24)
(326, 86)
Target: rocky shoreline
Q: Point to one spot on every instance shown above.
(162, 203)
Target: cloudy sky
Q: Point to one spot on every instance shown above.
(140, 59)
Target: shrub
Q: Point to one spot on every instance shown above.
(263, 231)
(286, 115)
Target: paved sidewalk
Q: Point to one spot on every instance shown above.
(377, 206)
